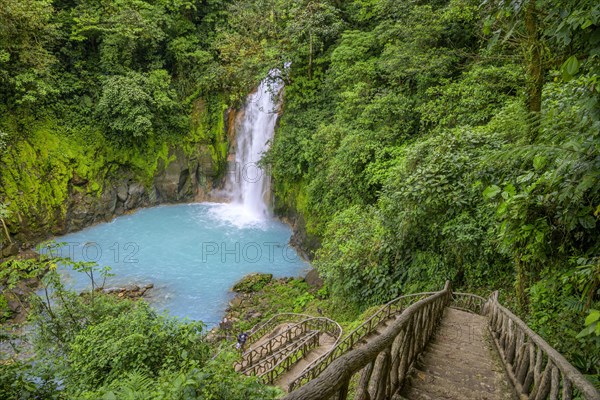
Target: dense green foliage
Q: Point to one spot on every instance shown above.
(94, 346)
(435, 140)
(91, 90)
(419, 141)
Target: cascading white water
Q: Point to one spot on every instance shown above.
(247, 183)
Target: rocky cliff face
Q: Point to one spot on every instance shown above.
(305, 243)
(183, 178)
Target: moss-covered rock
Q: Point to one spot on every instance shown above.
(252, 283)
(55, 179)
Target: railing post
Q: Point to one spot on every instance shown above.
(448, 290)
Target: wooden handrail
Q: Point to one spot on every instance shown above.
(269, 362)
(470, 302)
(250, 357)
(259, 331)
(536, 370)
(284, 346)
(389, 309)
(395, 349)
(309, 343)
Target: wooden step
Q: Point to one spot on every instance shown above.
(458, 364)
(417, 394)
(459, 349)
(464, 378)
(438, 387)
(448, 358)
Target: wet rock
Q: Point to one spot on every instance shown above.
(108, 203)
(304, 243)
(120, 209)
(236, 302)
(129, 291)
(226, 324)
(153, 196)
(206, 165)
(136, 190)
(179, 179)
(86, 209)
(122, 191)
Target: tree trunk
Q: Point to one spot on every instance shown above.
(6, 230)
(521, 284)
(535, 67)
(310, 55)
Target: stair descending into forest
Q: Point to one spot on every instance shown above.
(423, 346)
(326, 342)
(284, 350)
(459, 363)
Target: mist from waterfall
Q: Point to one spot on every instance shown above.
(248, 185)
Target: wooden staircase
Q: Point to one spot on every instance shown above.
(424, 346)
(459, 363)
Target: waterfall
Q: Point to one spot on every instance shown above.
(247, 184)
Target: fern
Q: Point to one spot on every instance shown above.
(135, 386)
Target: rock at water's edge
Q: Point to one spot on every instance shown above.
(252, 283)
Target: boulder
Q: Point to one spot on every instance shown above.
(252, 283)
(236, 302)
(10, 249)
(136, 190)
(130, 291)
(122, 191)
(313, 279)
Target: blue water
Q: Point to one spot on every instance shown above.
(192, 253)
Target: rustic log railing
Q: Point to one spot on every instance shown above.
(278, 344)
(384, 360)
(470, 302)
(287, 363)
(389, 310)
(272, 345)
(537, 371)
(261, 330)
(307, 342)
(307, 334)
